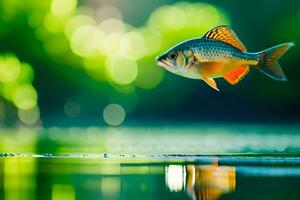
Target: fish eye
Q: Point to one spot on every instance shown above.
(173, 55)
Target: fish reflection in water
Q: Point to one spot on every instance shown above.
(201, 182)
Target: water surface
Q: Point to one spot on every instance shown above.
(199, 162)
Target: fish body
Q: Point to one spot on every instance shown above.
(220, 54)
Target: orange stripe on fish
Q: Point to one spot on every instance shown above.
(211, 68)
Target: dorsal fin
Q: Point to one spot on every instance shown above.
(225, 34)
(234, 76)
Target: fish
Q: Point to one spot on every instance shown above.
(221, 54)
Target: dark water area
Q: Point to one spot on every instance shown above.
(157, 177)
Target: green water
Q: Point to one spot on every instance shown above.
(187, 162)
(115, 178)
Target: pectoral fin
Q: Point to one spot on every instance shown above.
(207, 70)
(211, 82)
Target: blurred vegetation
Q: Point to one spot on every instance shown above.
(72, 62)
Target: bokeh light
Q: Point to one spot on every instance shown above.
(72, 109)
(84, 41)
(133, 45)
(110, 26)
(9, 68)
(98, 42)
(152, 39)
(54, 24)
(114, 114)
(29, 117)
(108, 12)
(63, 7)
(24, 97)
(122, 71)
(171, 22)
(111, 45)
(75, 22)
(189, 17)
(15, 82)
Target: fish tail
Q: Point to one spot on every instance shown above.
(268, 61)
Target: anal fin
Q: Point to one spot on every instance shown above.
(234, 76)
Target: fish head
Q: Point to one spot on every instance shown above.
(175, 60)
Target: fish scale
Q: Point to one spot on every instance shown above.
(211, 50)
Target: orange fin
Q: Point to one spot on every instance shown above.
(268, 62)
(225, 34)
(211, 82)
(234, 76)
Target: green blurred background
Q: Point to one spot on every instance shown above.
(91, 62)
(77, 67)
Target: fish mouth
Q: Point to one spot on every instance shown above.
(161, 62)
